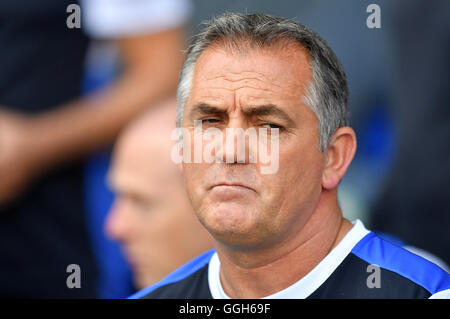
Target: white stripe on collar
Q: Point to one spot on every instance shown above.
(309, 283)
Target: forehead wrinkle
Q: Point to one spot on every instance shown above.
(240, 99)
(235, 80)
(236, 85)
(238, 88)
(245, 78)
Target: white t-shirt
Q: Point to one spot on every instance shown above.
(118, 18)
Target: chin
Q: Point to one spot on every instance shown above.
(232, 224)
(147, 278)
(142, 282)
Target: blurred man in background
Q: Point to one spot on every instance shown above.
(47, 127)
(151, 216)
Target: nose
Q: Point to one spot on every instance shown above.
(118, 223)
(239, 143)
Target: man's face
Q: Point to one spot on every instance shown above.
(151, 216)
(235, 202)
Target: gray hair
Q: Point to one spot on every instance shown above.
(326, 95)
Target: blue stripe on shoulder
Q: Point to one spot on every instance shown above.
(375, 250)
(184, 271)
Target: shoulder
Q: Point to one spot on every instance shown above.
(188, 281)
(403, 266)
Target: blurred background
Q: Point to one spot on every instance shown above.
(66, 94)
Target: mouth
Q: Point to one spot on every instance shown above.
(231, 186)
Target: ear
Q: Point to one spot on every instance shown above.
(340, 153)
(180, 164)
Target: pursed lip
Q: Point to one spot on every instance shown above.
(232, 185)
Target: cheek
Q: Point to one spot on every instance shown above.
(156, 244)
(300, 173)
(194, 182)
(165, 224)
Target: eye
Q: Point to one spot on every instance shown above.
(141, 205)
(148, 207)
(210, 121)
(272, 125)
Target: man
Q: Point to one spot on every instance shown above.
(151, 216)
(280, 235)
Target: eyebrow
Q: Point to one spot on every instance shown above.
(206, 109)
(119, 190)
(260, 110)
(271, 110)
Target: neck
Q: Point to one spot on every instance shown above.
(261, 273)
